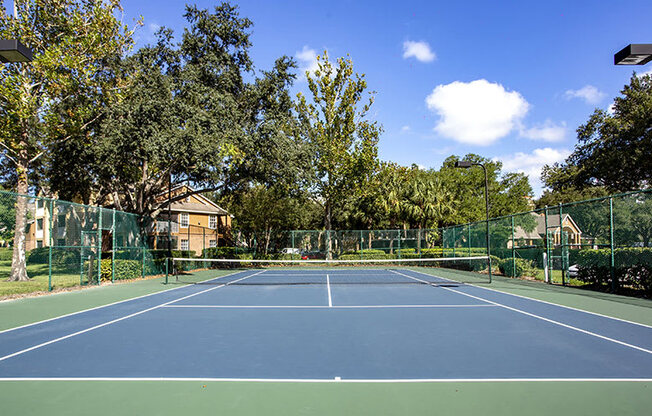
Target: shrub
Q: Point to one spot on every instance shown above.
(633, 267)
(6, 254)
(124, 269)
(371, 255)
(60, 256)
(517, 268)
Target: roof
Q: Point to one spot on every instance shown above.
(553, 222)
(198, 208)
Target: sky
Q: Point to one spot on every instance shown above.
(508, 80)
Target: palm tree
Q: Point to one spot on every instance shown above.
(426, 202)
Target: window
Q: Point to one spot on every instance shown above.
(184, 220)
(184, 245)
(212, 243)
(39, 244)
(39, 224)
(61, 221)
(40, 203)
(212, 222)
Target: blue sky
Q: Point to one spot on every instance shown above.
(509, 80)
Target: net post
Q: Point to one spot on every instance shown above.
(99, 246)
(203, 249)
(614, 286)
(51, 216)
(513, 249)
(547, 236)
(561, 242)
(292, 234)
(113, 250)
(167, 269)
(361, 246)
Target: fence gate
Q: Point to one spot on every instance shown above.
(558, 258)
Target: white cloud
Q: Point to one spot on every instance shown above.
(307, 58)
(547, 132)
(419, 50)
(642, 74)
(405, 129)
(477, 112)
(589, 93)
(611, 109)
(532, 163)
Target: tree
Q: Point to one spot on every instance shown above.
(613, 149)
(508, 193)
(426, 202)
(335, 124)
(60, 95)
(191, 116)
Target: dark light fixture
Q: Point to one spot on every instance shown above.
(634, 54)
(11, 50)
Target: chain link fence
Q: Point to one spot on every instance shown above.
(604, 242)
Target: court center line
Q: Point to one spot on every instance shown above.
(328, 287)
(331, 380)
(107, 305)
(324, 307)
(119, 319)
(584, 331)
(543, 301)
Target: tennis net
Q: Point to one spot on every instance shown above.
(434, 271)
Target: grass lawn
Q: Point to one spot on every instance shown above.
(62, 277)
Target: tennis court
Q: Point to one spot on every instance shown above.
(332, 325)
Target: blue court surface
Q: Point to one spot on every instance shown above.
(348, 325)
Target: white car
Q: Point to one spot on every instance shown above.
(290, 250)
(573, 270)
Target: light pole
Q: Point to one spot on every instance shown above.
(465, 164)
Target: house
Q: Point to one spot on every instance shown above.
(196, 223)
(537, 236)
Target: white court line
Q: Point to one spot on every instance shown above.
(328, 286)
(542, 301)
(541, 318)
(325, 307)
(109, 304)
(332, 380)
(119, 319)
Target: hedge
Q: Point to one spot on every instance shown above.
(523, 268)
(633, 267)
(124, 269)
(6, 254)
(60, 256)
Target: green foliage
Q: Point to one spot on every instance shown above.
(6, 254)
(60, 256)
(335, 124)
(124, 269)
(612, 149)
(517, 268)
(508, 192)
(633, 267)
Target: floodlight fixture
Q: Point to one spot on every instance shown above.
(634, 54)
(465, 164)
(11, 50)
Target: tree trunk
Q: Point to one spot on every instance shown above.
(327, 224)
(18, 262)
(419, 240)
